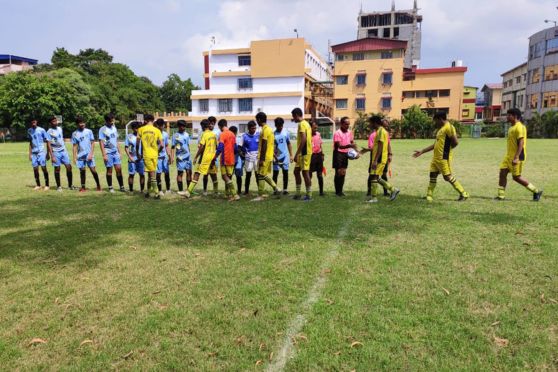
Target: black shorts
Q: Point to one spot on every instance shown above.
(316, 163)
(340, 160)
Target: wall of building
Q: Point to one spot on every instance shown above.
(514, 83)
(468, 108)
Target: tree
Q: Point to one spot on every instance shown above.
(417, 123)
(175, 94)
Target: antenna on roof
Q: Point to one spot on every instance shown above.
(393, 5)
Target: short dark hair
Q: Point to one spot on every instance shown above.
(376, 119)
(515, 112)
(279, 121)
(204, 124)
(222, 123)
(234, 129)
(148, 117)
(33, 119)
(51, 119)
(441, 115)
(160, 122)
(261, 117)
(251, 123)
(109, 117)
(212, 119)
(181, 123)
(344, 118)
(80, 120)
(135, 125)
(297, 112)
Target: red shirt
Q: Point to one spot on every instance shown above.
(228, 139)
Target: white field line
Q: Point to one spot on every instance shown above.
(287, 350)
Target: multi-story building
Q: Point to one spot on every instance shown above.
(492, 101)
(468, 108)
(395, 24)
(542, 72)
(273, 76)
(370, 76)
(514, 82)
(9, 63)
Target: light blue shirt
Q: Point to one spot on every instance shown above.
(37, 138)
(181, 142)
(282, 141)
(109, 136)
(130, 143)
(163, 152)
(83, 139)
(56, 139)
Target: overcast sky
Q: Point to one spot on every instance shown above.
(159, 37)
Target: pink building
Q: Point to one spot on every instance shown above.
(9, 63)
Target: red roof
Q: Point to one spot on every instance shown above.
(369, 44)
(440, 70)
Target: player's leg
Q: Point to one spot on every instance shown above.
(385, 178)
(118, 169)
(247, 182)
(432, 184)
(319, 174)
(82, 177)
(298, 182)
(69, 173)
(373, 188)
(503, 182)
(131, 174)
(516, 174)
(457, 186)
(57, 177)
(307, 183)
(286, 179)
(339, 181)
(393, 191)
(45, 175)
(167, 181)
(205, 183)
(180, 180)
(188, 177)
(238, 175)
(95, 175)
(37, 178)
(158, 175)
(193, 184)
(213, 176)
(140, 168)
(275, 173)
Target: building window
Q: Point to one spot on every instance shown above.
(537, 50)
(387, 55)
(518, 80)
(341, 57)
(358, 57)
(409, 94)
(551, 73)
(341, 104)
(245, 83)
(386, 103)
(342, 80)
(225, 105)
(387, 78)
(431, 94)
(520, 101)
(535, 76)
(244, 60)
(386, 32)
(204, 105)
(552, 46)
(245, 105)
(505, 85)
(534, 104)
(373, 33)
(360, 104)
(465, 113)
(361, 79)
(396, 33)
(445, 93)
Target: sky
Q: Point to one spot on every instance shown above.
(159, 37)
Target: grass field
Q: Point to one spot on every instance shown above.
(115, 281)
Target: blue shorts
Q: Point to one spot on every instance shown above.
(38, 160)
(183, 165)
(136, 167)
(278, 166)
(60, 158)
(162, 166)
(82, 163)
(112, 160)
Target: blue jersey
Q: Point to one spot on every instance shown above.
(163, 152)
(109, 136)
(56, 139)
(130, 143)
(282, 141)
(83, 139)
(250, 144)
(181, 142)
(239, 163)
(37, 139)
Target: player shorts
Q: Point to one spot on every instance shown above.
(183, 165)
(515, 170)
(317, 163)
(162, 165)
(150, 164)
(227, 170)
(136, 167)
(340, 160)
(82, 163)
(265, 169)
(60, 157)
(239, 171)
(38, 160)
(303, 162)
(206, 168)
(251, 165)
(441, 166)
(379, 169)
(112, 160)
(281, 164)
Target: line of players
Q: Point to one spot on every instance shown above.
(150, 149)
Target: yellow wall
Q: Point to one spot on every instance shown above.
(437, 81)
(278, 58)
(373, 91)
(469, 93)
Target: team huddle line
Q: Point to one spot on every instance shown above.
(266, 153)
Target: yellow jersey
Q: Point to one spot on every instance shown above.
(515, 133)
(268, 136)
(150, 138)
(381, 136)
(442, 147)
(209, 140)
(304, 127)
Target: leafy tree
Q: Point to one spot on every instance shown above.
(417, 123)
(176, 93)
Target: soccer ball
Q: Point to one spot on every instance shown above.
(352, 154)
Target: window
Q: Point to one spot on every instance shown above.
(245, 105)
(225, 105)
(409, 94)
(358, 57)
(520, 101)
(396, 33)
(535, 76)
(445, 93)
(465, 113)
(386, 103)
(505, 85)
(387, 78)
(420, 94)
(534, 104)
(551, 73)
(537, 50)
(361, 79)
(552, 46)
(244, 60)
(245, 83)
(373, 33)
(387, 55)
(360, 104)
(341, 104)
(386, 32)
(342, 80)
(518, 80)
(341, 57)
(204, 105)
(432, 94)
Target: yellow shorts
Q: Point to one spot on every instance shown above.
(379, 169)
(206, 168)
(227, 170)
(441, 166)
(150, 164)
(303, 162)
(515, 170)
(265, 169)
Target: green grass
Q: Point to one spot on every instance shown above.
(203, 284)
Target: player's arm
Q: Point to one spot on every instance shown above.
(200, 151)
(92, 152)
(290, 147)
(30, 149)
(300, 145)
(74, 152)
(127, 150)
(520, 145)
(138, 143)
(263, 150)
(102, 145)
(220, 149)
(454, 141)
(390, 154)
(423, 151)
(169, 153)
